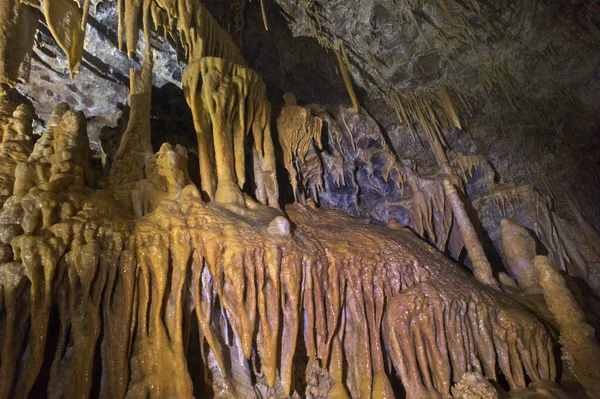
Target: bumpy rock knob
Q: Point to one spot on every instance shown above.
(280, 226)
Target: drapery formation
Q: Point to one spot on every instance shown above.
(102, 287)
(120, 291)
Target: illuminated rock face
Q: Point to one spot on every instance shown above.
(105, 278)
(124, 289)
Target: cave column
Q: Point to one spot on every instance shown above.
(219, 96)
(482, 269)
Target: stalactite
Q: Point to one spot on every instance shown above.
(64, 21)
(119, 271)
(580, 349)
(300, 132)
(131, 13)
(263, 12)
(201, 36)
(18, 24)
(591, 235)
(433, 111)
(468, 165)
(446, 9)
(366, 292)
(431, 214)
(238, 7)
(344, 64)
(449, 108)
(481, 267)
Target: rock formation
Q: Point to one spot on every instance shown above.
(142, 278)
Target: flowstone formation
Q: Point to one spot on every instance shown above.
(124, 288)
(129, 280)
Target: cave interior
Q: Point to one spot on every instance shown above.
(300, 198)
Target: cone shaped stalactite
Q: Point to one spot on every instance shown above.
(344, 64)
(433, 112)
(64, 19)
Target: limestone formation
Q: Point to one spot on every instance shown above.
(134, 282)
(16, 143)
(300, 133)
(472, 386)
(519, 248)
(18, 24)
(481, 267)
(580, 350)
(228, 101)
(64, 19)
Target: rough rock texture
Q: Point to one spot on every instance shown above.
(85, 262)
(520, 68)
(123, 278)
(473, 385)
(100, 88)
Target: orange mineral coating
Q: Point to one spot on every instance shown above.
(64, 21)
(135, 147)
(518, 247)
(16, 142)
(18, 25)
(220, 92)
(99, 282)
(248, 269)
(579, 347)
(299, 132)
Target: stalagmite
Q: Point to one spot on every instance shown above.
(15, 145)
(300, 132)
(518, 247)
(474, 386)
(135, 147)
(481, 267)
(580, 349)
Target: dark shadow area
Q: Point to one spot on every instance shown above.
(171, 122)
